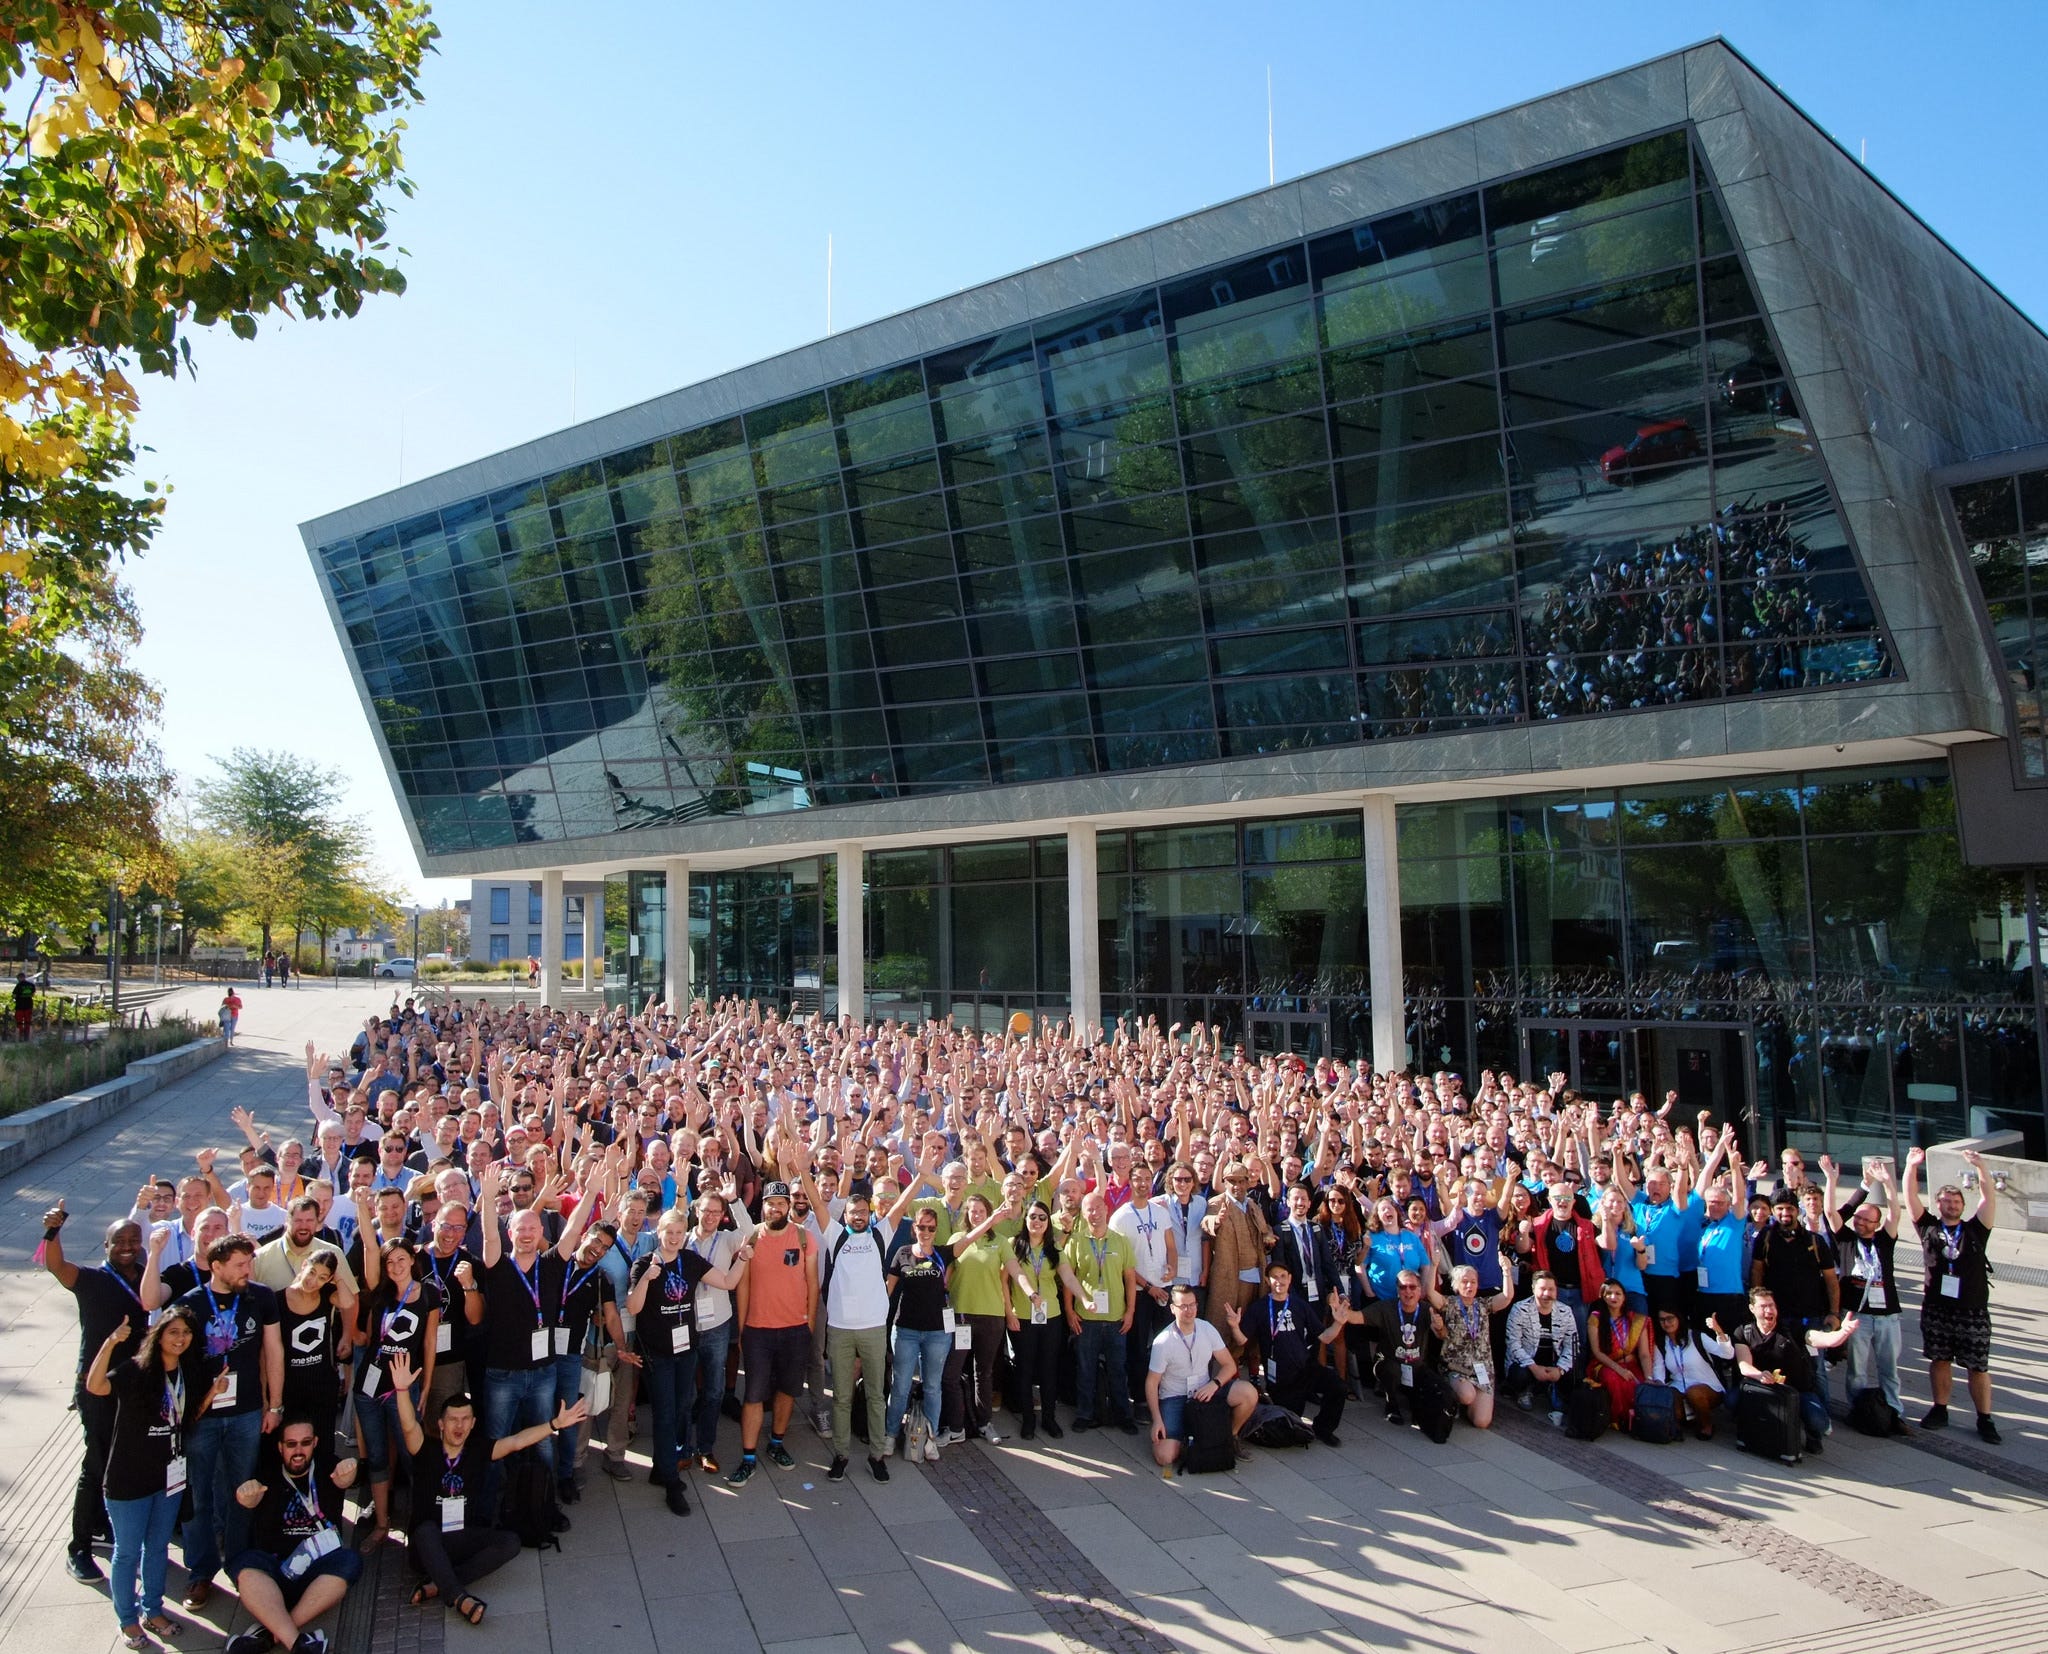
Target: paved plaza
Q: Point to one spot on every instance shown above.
(1514, 1539)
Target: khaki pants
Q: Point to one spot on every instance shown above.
(869, 1347)
(618, 1433)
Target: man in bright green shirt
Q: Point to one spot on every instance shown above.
(1100, 1273)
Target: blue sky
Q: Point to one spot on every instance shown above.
(604, 215)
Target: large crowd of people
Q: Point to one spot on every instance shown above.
(510, 1248)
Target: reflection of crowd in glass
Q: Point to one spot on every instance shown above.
(1644, 628)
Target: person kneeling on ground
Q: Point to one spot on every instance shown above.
(296, 1567)
(1280, 1333)
(453, 1542)
(1189, 1362)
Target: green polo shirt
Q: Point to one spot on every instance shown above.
(1100, 1263)
(977, 1279)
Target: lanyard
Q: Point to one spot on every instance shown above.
(1183, 1220)
(1952, 1243)
(569, 1291)
(221, 1324)
(121, 1281)
(308, 1498)
(451, 1474)
(532, 1285)
(1473, 1317)
(675, 1283)
(1101, 1251)
(1187, 1341)
(1274, 1309)
(392, 1314)
(174, 1400)
(1866, 1255)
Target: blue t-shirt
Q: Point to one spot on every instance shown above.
(1691, 1218)
(1390, 1255)
(1476, 1241)
(1658, 1223)
(1620, 1263)
(1722, 1246)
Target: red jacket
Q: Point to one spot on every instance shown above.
(1585, 1242)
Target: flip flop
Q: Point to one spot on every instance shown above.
(472, 1609)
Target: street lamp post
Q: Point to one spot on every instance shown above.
(158, 909)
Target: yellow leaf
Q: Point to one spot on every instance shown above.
(14, 563)
(43, 136)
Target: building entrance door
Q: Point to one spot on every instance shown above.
(1277, 1033)
(1711, 1065)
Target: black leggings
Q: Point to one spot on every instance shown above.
(1035, 1359)
(456, 1561)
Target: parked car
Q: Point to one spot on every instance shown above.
(1661, 442)
(398, 970)
(1754, 387)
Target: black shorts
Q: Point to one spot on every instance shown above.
(1949, 1332)
(775, 1358)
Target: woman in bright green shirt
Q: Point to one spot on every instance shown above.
(1034, 1321)
(976, 1288)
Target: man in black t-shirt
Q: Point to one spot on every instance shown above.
(294, 1567)
(1775, 1350)
(530, 1365)
(240, 1321)
(1864, 1247)
(1797, 1267)
(454, 1495)
(1280, 1333)
(1955, 1306)
(107, 1295)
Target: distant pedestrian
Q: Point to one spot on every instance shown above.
(24, 1004)
(268, 960)
(230, 1014)
(284, 970)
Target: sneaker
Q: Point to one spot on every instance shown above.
(1028, 1431)
(1526, 1402)
(1329, 1438)
(1557, 1419)
(931, 1450)
(742, 1473)
(565, 1492)
(838, 1471)
(81, 1566)
(1052, 1427)
(990, 1437)
(618, 1470)
(1988, 1430)
(778, 1455)
(888, 1447)
(1935, 1418)
(1393, 1415)
(311, 1642)
(1080, 1424)
(1128, 1425)
(1813, 1441)
(248, 1642)
(950, 1438)
(678, 1499)
(877, 1469)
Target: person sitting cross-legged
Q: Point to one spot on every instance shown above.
(453, 1542)
(295, 1567)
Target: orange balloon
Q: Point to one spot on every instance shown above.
(1020, 1022)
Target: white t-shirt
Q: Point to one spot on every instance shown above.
(856, 1297)
(1144, 1226)
(1182, 1360)
(714, 1303)
(260, 1223)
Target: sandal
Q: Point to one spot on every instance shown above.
(135, 1637)
(471, 1608)
(162, 1625)
(425, 1592)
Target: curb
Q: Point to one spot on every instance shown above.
(35, 1131)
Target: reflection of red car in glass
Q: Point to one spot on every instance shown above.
(1662, 442)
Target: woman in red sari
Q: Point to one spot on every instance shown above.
(1619, 1344)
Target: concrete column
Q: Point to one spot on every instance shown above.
(1383, 929)
(851, 863)
(551, 937)
(676, 986)
(1084, 927)
(593, 938)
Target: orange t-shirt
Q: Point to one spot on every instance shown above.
(778, 1278)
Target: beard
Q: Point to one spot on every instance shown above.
(779, 1223)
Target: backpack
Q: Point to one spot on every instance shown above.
(1210, 1437)
(1588, 1413)
(528, 1506)
(1768, 1422)
(1870, 1413)
(1435, 1406)
(1656, 1418)
(1274, 1426)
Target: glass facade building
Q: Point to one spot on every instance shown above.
(1489, 604)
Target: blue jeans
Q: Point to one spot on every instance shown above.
(220, 1455)
(568, 1386)
(142, 1550)
(519, 1399)
(669, 1383)
(918, 1352)
(700, 1423)
(1100, 1341)
(377, 1420)
(1874, 1356)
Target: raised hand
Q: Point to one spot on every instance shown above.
(401, 1370)
(55, 1216)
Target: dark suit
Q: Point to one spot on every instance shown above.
(1317, 1266)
